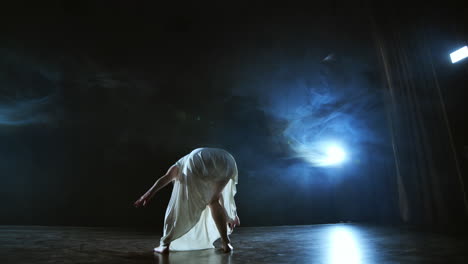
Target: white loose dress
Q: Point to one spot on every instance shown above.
(188, 224)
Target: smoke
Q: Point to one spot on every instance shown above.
(29, 89)
(331, 104)
(26, 112)
(330, 117)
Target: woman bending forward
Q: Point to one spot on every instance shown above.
(202, 207)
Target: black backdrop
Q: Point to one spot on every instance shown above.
(98, 101)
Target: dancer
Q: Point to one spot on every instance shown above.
(202, 207)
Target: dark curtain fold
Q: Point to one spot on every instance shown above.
(431, 189)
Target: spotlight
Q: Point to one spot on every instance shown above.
(334, 155)
(459, 54)
(321, 154)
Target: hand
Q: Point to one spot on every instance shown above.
(143, 201)
(234, 223)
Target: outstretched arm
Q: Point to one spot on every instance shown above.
(170, 175)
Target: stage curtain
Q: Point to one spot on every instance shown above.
(430, 186)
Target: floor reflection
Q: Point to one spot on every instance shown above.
(327, 244)
(345, 246)
(208, 256)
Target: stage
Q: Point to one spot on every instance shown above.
(333, 243)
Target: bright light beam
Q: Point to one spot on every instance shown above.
(321, 154)
(334, 155)
(459, 54)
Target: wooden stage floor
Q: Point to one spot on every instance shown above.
(333, 243)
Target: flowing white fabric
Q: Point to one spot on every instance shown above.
(188, 224)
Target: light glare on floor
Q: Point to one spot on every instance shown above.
(344, 246)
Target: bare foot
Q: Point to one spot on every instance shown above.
(162, 249)
(227, 247)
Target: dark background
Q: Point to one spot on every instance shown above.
(97, 100)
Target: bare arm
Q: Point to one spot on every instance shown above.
(170, 175)
(231, 222)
